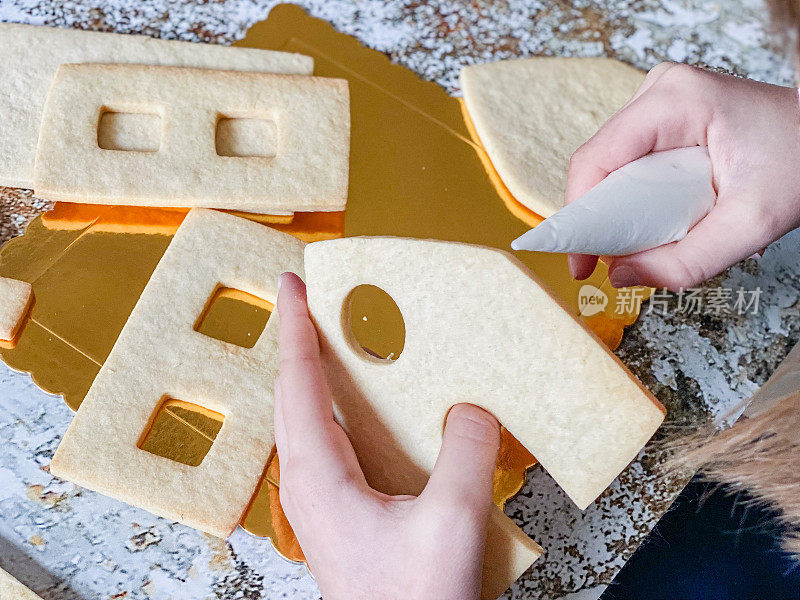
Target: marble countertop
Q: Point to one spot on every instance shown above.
(70, 544)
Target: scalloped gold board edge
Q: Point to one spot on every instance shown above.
(32, 55)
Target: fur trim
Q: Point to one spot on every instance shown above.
(761, 455)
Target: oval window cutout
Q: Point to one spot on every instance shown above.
(376, 323)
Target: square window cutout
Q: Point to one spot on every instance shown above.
(234, 316)
(129, 131)
(246, 137)
(181, 431)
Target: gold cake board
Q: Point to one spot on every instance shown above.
(416, 171)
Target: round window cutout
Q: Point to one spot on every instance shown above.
(375, 322)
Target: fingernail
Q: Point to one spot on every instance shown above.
(280, 281)
(623, 276)
(572, 266)
(472, 423)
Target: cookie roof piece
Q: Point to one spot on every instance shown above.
(15, 299)
(204, 124)
(32, 55)
(532, 114)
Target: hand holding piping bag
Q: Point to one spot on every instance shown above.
(652, 201)
(752, 133)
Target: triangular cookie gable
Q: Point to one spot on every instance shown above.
(479, 329)
(531, 114)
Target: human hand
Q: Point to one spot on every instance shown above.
(360, 543)
(752, 131)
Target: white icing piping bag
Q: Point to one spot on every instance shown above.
(649, 202)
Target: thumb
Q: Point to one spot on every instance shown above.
(464, 470)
